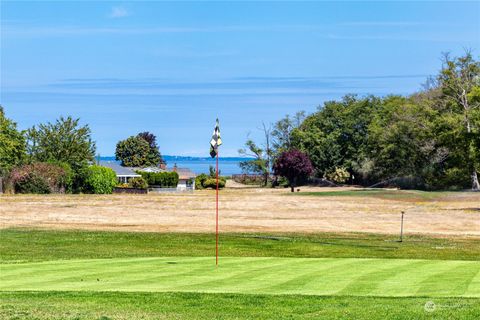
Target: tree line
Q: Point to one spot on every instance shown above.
(60, 156)
(426, 140)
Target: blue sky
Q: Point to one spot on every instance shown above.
(172, 67)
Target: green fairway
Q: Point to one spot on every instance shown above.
(47, 274)
(23, 245)
(325, 276)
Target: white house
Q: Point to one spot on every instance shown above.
(124, 174)
(186, 177)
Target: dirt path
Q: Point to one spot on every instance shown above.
(244, 210)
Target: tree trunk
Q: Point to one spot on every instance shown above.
(293, 184)
(475, 183)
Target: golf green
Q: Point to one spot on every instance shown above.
(310, 276)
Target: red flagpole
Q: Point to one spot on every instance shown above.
(216, 225)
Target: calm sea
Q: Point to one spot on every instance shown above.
(228, 166)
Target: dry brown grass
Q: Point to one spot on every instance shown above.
(245, 210)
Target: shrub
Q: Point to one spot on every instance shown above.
(212, 183)
(138, 183)
(450, 179)
(68, 178)
(340, 175)
(162, 179)
(204, 181)
(200, 180)
(100, 180)
(32, 183)
(40, 177)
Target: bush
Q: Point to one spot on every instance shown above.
(100, 180)
(340, 175)
(162, 179)
(138, 183)
(204, 181)
(68, 178)
(450, 179)
(212, 183)
(200, 180)
(40, 178)
(32, 183)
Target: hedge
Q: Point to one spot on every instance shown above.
(162, 179)
(138, 183)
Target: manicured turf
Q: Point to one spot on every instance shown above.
(261, 276)
(20, 245)
(314, 276)
(138, 305)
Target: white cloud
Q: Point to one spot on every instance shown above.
(119, 12)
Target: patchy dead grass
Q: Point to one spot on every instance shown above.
(250, 210)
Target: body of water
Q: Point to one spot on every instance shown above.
(227, 166)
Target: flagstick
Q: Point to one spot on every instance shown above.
(216, 226)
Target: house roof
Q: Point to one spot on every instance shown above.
(184, 173)
(151, 169)
(119, 170)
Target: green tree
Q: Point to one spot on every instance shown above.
(133, 152)
(459, 82)
(282, 131)
(401, 139)
(336, 136)
(12, 144)
(64, 141)
(154, 155)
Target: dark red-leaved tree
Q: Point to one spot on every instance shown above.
(293, 165)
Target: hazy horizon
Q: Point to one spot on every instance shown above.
(171, 68)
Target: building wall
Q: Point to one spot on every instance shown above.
(184, 184)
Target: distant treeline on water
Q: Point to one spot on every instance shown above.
(228, 165)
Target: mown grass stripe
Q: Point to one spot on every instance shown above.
(296, 283)
(369, 281)
(226, 278)
(311, 276)
(407, 279)
(456, 279)
(171, 278)
(473, 288)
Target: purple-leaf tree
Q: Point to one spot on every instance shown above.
(293, 165)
